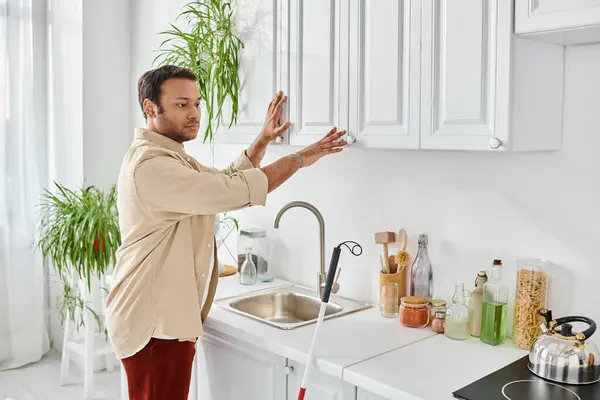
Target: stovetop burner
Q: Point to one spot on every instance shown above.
(516, 382)
(530, 389)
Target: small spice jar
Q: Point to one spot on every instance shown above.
(414, 311)
(436, 305)
(437, 325)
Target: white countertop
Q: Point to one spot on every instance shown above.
(343, 341)
(367, 350)
(431, 369)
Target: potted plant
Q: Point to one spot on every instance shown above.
(209, 47)
(78, 234)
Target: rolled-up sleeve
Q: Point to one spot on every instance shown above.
(164, 184)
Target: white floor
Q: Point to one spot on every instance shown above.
(40, 381)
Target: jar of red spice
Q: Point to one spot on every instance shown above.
(414, 311)
(438, 322)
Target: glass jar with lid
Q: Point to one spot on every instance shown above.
(437, 324)
(414, 311)
(257, 241)
(437, 305)
(530, 297)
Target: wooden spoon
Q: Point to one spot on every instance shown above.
(402, 239)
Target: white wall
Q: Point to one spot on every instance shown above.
(106, 105)
(474, 206)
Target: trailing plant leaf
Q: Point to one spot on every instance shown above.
(72, 305)
(209, 47)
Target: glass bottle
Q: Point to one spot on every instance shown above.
(421, 280)
(457, 317)
(495, 303)
(476, 305)
(248, 272)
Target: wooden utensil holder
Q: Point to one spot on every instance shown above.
(399, 278)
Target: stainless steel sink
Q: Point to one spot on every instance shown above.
(288, 307)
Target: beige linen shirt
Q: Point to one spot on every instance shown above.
(167, 202)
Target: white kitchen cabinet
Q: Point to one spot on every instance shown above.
(362, 394)
(259, 24)
(228, 369)
(407, 74)
(482, 88)
(320, 385)
(384, 69)
(563, 22)
(318, 97)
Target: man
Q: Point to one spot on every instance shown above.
(167, 201)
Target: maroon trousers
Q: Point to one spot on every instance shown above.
(160, 371)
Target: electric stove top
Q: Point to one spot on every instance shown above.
(516, 382)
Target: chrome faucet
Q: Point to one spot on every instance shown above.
(322, 273)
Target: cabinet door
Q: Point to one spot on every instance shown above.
(362, 394)
(465, 73)
(320, 385)
(316, 96)
(549, 15)
(228, 370)
(385, 72)
(261, 66)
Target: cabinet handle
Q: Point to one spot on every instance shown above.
(350, 140)
(279, 140)
(495, 143)
(288, 369)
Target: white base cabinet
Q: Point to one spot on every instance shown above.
(228, 369)
(565, 22)
(362, 394)
(403, 74)
(320, 385)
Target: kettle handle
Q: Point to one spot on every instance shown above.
(585, 334)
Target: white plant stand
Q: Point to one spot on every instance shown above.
(92, 344)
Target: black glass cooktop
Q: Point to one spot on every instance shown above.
(516, 382)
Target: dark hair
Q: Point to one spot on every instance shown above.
(151, 81)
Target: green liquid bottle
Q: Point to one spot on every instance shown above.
(495, 300)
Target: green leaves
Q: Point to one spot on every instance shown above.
(79, 233)
(79, 229)
(209, 47)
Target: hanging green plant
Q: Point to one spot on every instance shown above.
(209, 47)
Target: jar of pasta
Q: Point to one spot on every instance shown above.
(530, 297)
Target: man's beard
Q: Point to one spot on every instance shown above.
(171, 130)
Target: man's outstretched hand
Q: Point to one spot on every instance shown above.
(281, 170)
(271, 130)
(328, 145)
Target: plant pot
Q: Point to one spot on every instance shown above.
(100, 242)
